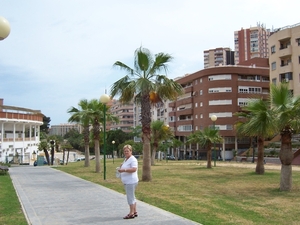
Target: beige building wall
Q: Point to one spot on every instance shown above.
(284, 60)
(215, 57)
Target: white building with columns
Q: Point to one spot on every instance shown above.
(19, 134)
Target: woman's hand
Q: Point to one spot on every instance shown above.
(122, 170)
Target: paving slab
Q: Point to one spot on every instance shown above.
(51, 197)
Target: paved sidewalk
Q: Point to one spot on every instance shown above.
(51, 197)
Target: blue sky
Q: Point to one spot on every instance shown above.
(62, 51)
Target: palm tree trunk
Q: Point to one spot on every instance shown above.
(64, 156)
(146, 130)
(286, 157)
(208, 157)
(260, 167)
(153, 155)
(68, 156)
(97, 156)
(47, 156)
(87, 155)
(146, 173)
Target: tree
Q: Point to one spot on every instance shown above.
(205, 139)
(287, 110)
(96, 114)
(66, 146)
(43, 146)
(257, 121)
(81, 115)
(118, 136)
(75, 139)
(145, 84)
(46, 125)
(175, 144)
(159, 132)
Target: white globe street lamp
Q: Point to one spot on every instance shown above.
(4, 28)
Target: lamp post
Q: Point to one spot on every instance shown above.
(113, 142)
(4, 28)
(104, 99)
(214, 119)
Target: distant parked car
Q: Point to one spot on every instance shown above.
(35, 163)
(171, 157)
(80, 159)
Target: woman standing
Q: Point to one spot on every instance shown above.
(129, 177)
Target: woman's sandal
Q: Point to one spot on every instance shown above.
(135, 214)
(129, 216)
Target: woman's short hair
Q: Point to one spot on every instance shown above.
(128, 146)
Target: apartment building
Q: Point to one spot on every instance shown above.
(251, 43)
(218, 56)
(284, 58)
(219, 91)
(64, 128)
(19, 133)
(125, 114)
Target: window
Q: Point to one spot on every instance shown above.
(250, 90)
(220, 102)
(184, 128)
(220, 114)
(220, 89)
(201, 92)
(273, 65)
(220, 77)
(286, 77)
(298, 41)
(273, 49)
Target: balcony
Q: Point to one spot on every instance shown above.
(286, 68)
(21, 116)
(184, 101)
(187, 111)
(285, 51)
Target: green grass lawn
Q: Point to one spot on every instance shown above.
(222, 195)
(225, 194)
(10, 209)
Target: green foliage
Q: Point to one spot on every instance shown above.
(46, 124)
(75, 139)
(205, 138)
(137, 147)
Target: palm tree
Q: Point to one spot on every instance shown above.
(205, 139)
(96, 114)
(175, 144)
(43, 146)
(257, 121)
(145, 84)
(81, 115)
(159, 132)
(287, 110)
